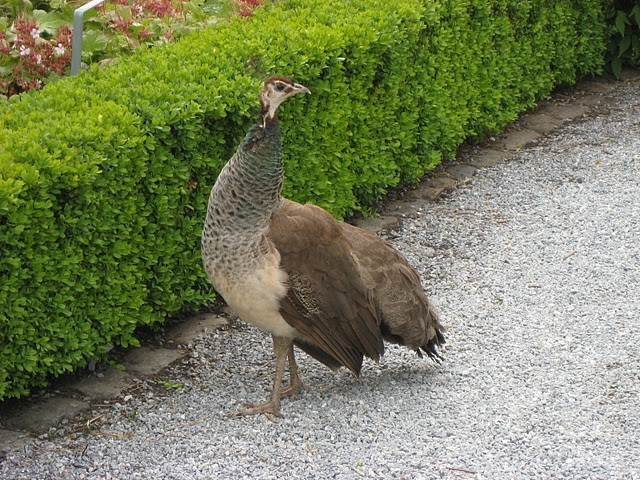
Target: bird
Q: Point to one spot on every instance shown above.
(331, 289)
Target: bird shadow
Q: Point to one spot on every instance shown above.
(391, 373)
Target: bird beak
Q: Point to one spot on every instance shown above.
(297, 88)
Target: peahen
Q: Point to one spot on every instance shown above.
(331, 289)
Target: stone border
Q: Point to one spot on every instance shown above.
(73, 396)
(20, 420)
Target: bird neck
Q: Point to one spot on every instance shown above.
(269, 112)
(247, 191)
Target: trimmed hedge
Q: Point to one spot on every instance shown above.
(104, 177)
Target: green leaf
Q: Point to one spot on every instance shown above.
(635, 13)
(624, 45)
(49, 22)
(172, 385)
(616, 67)
(621, 22)
(93, 42)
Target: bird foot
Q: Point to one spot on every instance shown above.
(268, 408)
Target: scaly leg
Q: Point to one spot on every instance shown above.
(282, 347)
(295, 384)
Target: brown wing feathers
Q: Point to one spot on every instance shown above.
(327, 301)
(348, 290)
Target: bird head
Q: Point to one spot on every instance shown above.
(275, 91)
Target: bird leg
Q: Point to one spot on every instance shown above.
(295, 384)
(282, 348)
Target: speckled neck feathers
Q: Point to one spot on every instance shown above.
(248, 188)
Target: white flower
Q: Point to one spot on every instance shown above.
(35, 32)
(59, 50)
(24, 51)
(38, 59)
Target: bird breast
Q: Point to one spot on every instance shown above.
(256, 294)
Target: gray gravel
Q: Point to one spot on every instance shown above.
(536, 270)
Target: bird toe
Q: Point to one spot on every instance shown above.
(269, 408)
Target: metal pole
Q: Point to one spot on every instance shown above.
(76, 46)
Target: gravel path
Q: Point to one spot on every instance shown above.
(536, 270)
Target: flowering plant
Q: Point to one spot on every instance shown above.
(245, 8)
(121, 26)
(35, 44)
(28, 54)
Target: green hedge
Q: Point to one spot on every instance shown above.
(104, 177)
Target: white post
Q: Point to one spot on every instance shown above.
(76, 47)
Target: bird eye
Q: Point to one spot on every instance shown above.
(280, 87)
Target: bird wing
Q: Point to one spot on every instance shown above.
(327, 300)
(408, 317)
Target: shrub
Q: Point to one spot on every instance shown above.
(105, 176)
(623, 18)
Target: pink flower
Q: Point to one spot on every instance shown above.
(246, 7)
